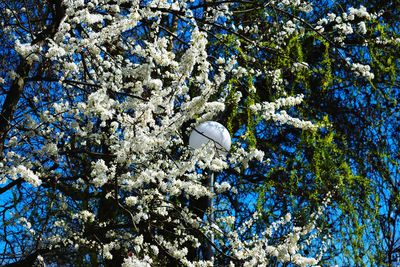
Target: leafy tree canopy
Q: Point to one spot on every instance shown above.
(98, 99)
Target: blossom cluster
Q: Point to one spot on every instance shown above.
(355, 20)
(362, 70)
(269, 110)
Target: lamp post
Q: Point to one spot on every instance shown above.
(211, 131)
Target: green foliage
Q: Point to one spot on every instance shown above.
(353, 156)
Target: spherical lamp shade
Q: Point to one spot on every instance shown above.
(210, 131)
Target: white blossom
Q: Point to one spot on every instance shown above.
(26, 174)
(99, 173)
(362, 70)
(362, 28)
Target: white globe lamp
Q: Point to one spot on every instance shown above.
(211, 131)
